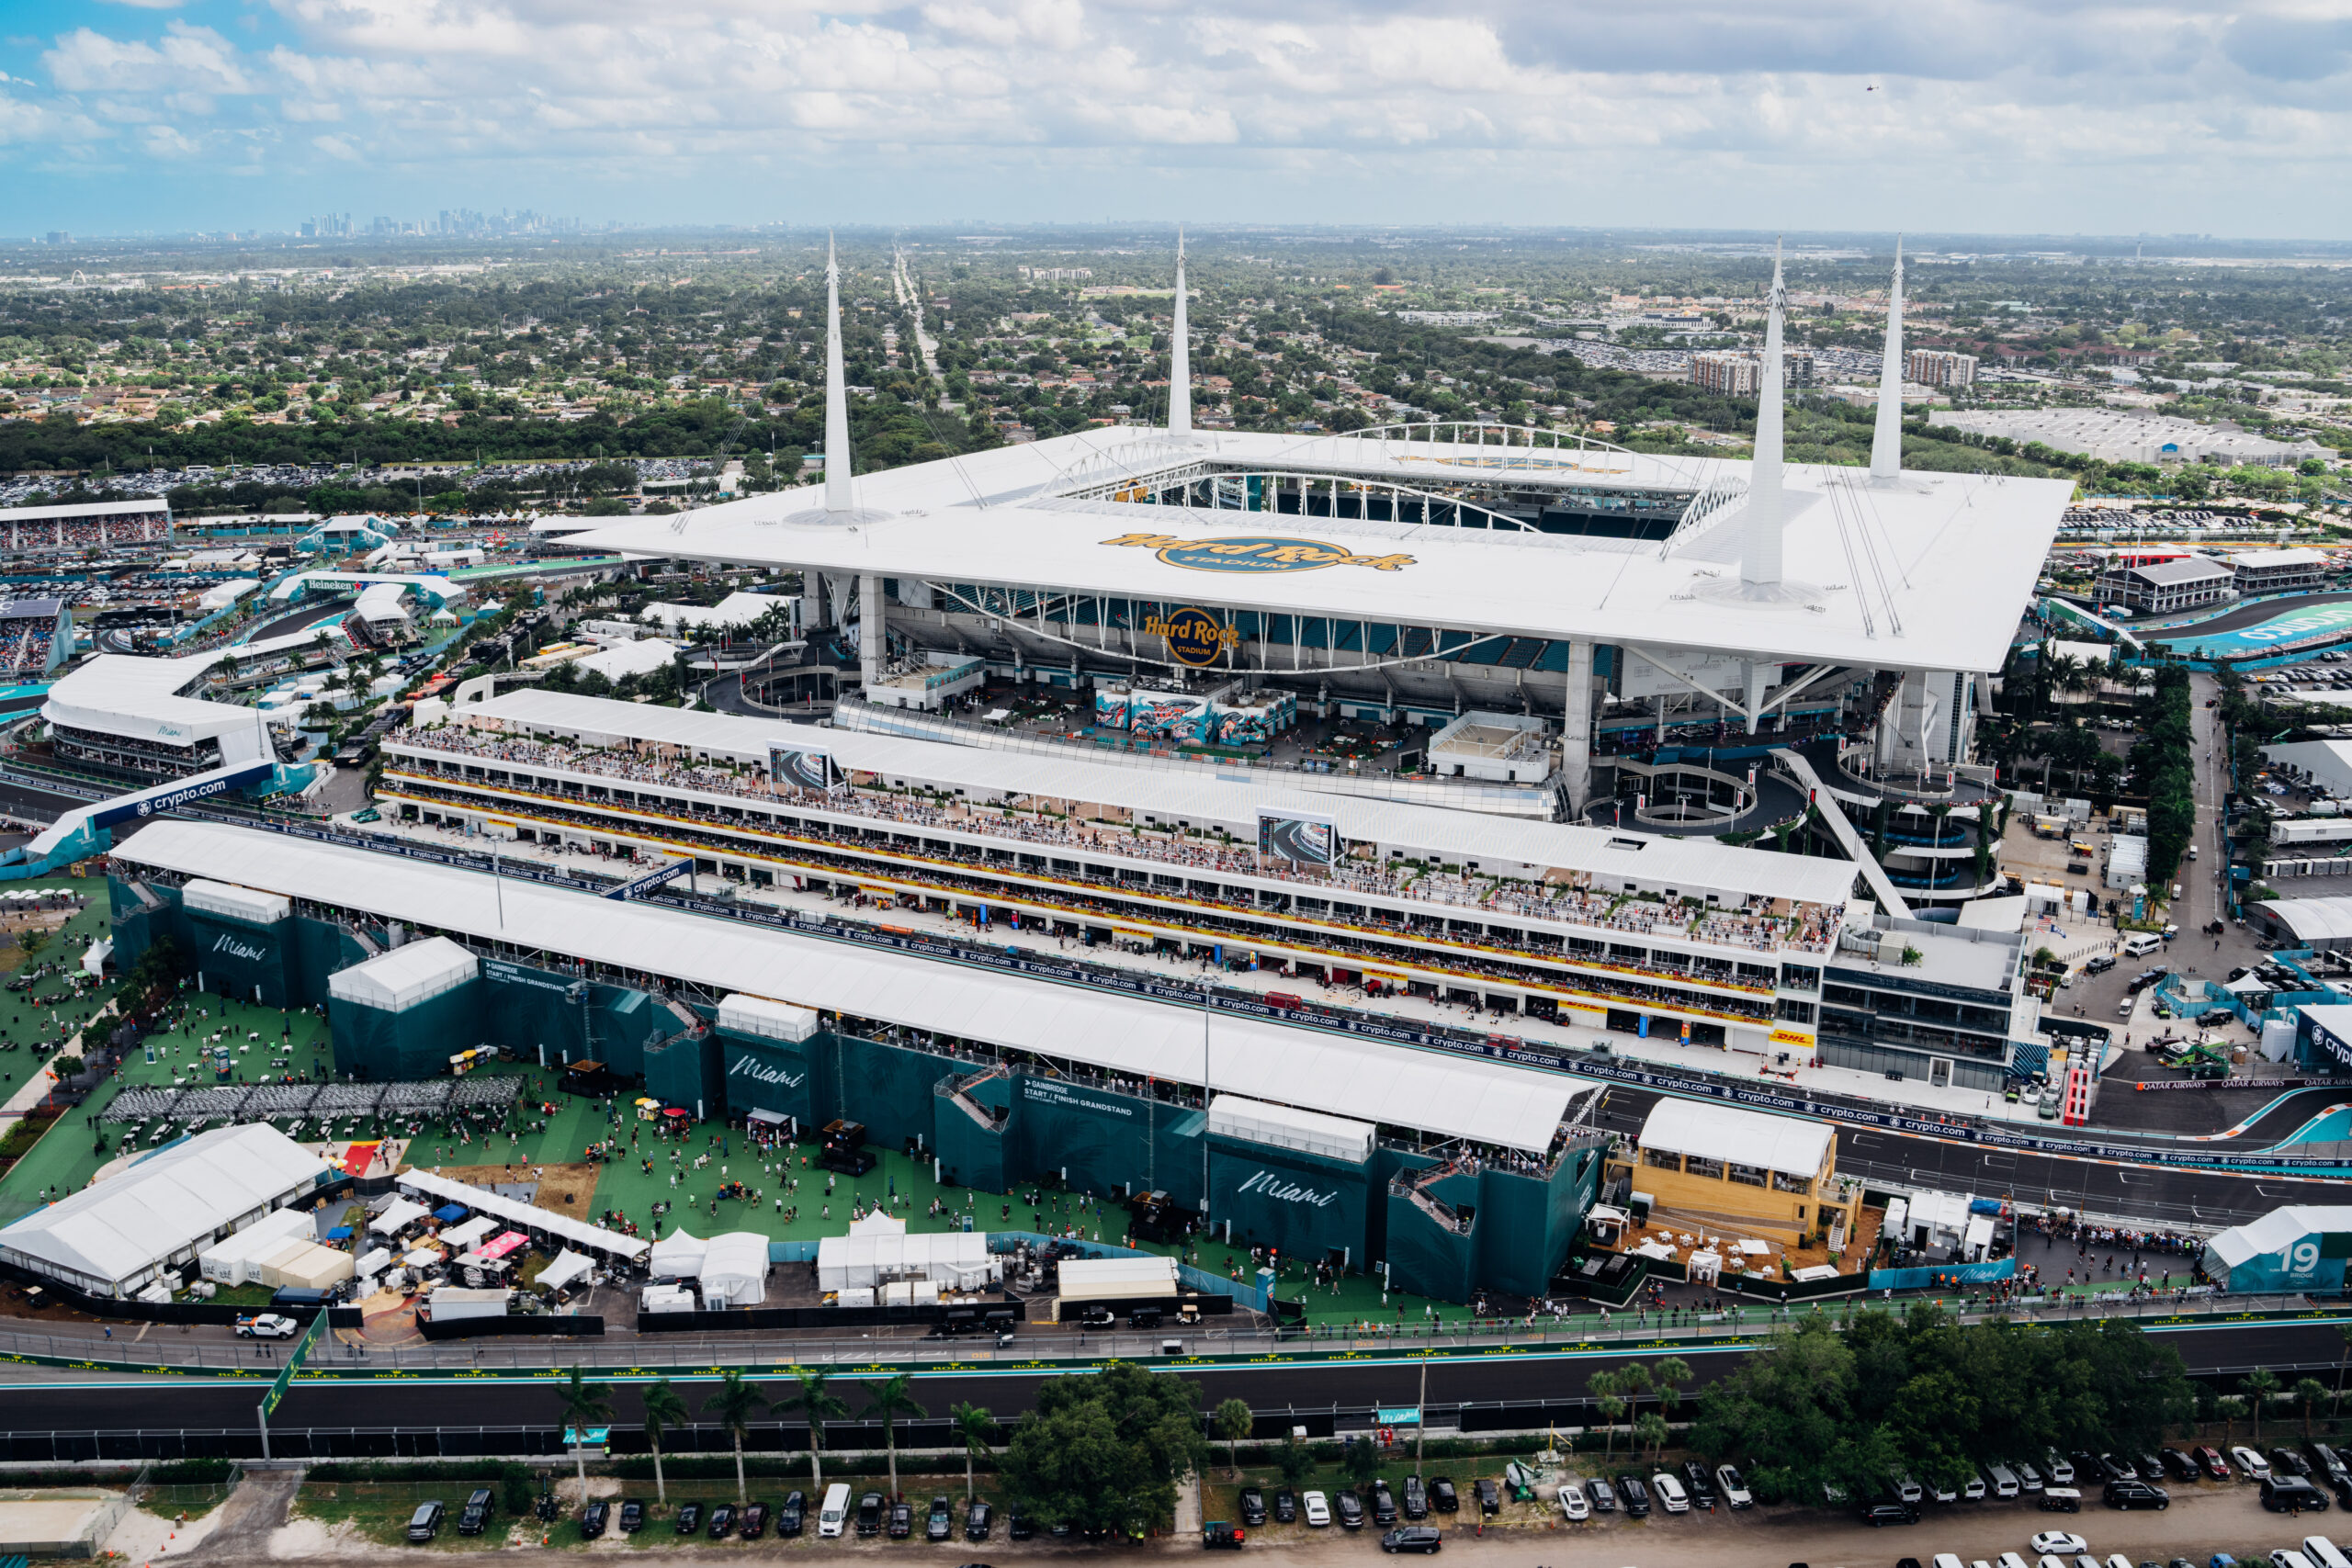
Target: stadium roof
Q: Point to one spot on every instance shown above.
(83, 509)
(1199, 797)
(132, 695)
(31, 609)
(1425, 1090)
(115, 1231)
(1926, 575)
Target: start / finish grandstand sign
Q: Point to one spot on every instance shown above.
(1492, 1047)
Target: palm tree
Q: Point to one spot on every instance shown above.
(2258, 1385)
(2231, 1406)
(1670, 1374)
(585, 1404)
(2309, 1391)
(817, 1405)
(891, 1398)
(735, 1402)
(1233, 1422)
(663, 1410)
(1608, 1392)
(976, 1427)
(1650, 1432)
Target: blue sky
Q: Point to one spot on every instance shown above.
(1940, 115)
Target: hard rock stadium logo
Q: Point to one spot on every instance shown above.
(1255, 553)
(1194, 636)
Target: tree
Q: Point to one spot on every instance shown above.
(817, 1405)
(1294, 1460)
(585, 1404)
(1105, 1451)
(1363, 1461)
(1670, 1374)
(1609, 1396)
(977, 1428)
(2231, 1406)
(663, 1410)
(734, 1403)
(891, 1398)
(1233, 1423)
(2259, 1386)
(1650, 1432)
(2309, 1391)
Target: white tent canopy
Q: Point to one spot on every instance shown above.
(470, 1233)
(676, 1256)
(398, 1215)
(526, 1217)
(568, 1266)
(735, 1270)
(1791, 1145)
(117, 1235)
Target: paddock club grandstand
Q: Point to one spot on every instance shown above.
(1684, 646)
(1460, 1173)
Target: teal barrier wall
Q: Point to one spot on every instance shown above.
(239, 959)
(415, 1042)
(770, 1074)
(886, 1087)
(972, 1152)
(688, 1070)
(1528, 1222)
(2004, 1268)
(1098, 1140)
(316, 949)
(1426, 1257)
(1302, 1203)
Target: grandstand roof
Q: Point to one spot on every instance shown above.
(1947, 557)
(1199, 797)
(83, 509)
(32, 609)
(1425, 1090)
(138, 697)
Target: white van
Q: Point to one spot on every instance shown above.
(2324, 1553)
(835, 1513)
(2005, 1484)
(2139, 942)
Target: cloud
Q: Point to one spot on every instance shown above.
(188, 58)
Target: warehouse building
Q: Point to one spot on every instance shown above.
(121, 1234)
(1460, 1171)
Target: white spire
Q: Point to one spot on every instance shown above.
(1180, 362)
(837, 461)
(1886, 441)
(1759, 560)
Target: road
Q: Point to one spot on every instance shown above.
(1504, 1392)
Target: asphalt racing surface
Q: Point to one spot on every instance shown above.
(1513, 1388)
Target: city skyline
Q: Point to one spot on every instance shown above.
(167, 116)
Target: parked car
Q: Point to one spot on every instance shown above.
(2211, 1460)
(1218, 1536)
(689, 1518)
(2286, 1461)
(2136, 1494)
(1889, 1511)
(1573, 1504)
(722, 1521)
(1351, 1508)
(425, 1523)
(594, 1520)
(979, 1519)
(475, 1517)
(1695, 1481)
(2056, 1466)
(1669, 1494)
(1442, 1496)
(1285, 1506)
(1416, 1499)
(632, 1517)
(792, 1515)
(2253, 1464)
(902, 1520)
(267, 1326)
(1736, 1491)
(941, 1523)
(1318, 1510)
(755, 1522)
(2292, 1494)
(1412, 1538)
(2178, 1465)
(1636, 1496)
(1019, 1528)
(1384, 1505)
(2059, 1543)
(869, 1513)
(1253, 1507)
(1490, 1497)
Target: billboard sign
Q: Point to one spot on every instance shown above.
(1299, 836)
(808, 771)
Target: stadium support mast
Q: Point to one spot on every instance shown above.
(1180, 358)
(836, 461)
(1886, 439)
(1760, 558)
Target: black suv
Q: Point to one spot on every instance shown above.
(1412, 1538)
(902, 1520)
(1351, 1509)
(2286, 1461)
(2327, 1465)
(1632, 1488)
(794, 1515)
(592, 1523)
(976, 1521)
(1890, 1511)
(1285, 1506)
(1443, 1497)
(1384, 1506)
(1490, 1497)
(941, 1524)
(476, 1517)
(869, 1513)
(1699, 1483)
(1416, 1499)
(2136, 1494)
(1253, 1507)
(689, 1518)
(425, 1523)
